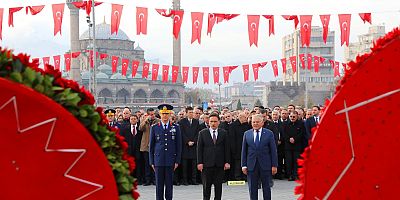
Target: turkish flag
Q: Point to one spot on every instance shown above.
(141, 20)
(325, 25)
(58, 13)
(135, 67)
(293, 62)
(103, 55)
(216, 74)
(255, 71)
(86, 5)
(227, 72)
(34, 9)
(216, 18)
(195, 71)
(175, 73)
(303, 60)
(336, 69)
(114, 63)
(283, 61)
(332, 63)
(197, 23)
(344, 21)
(274, 64)
(309, 61)
(165, 73)
(75, 54)
(366, 17)
(292, 17)
(90, 58)
(321, 59)
(206, 73)
(145, 71)
(125, 65)
(154, 71)
(253, 21)
(46, 61)
(316, 63)
(305, 29)
(56, 62)
(116, 13)
(163, 12)
(271, 24)
(11, 12)
(1, 23)
(67, 61)
(245, 73)
(185, 74)
(178, 17)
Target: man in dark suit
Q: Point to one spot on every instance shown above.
(190, 131)
(277, 128)
(293, 134)
(165, 152)
(213, 157)
(133, 137)
(236, 131)
(259, 157)
(205, 123)
(310, 123)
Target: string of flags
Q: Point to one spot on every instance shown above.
(196, 20)
(306, 62)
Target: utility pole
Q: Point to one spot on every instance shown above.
(220, 103)
(94, 54)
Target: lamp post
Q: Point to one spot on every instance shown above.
(219, 89)
(91, 75)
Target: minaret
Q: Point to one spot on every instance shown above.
(176, 5)
(75, 73)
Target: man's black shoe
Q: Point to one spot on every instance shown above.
(147, 184)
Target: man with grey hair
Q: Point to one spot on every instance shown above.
(259, 157)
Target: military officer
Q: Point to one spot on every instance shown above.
(110, 114)
(165, 152)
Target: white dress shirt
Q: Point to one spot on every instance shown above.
(133, 129)
(216, 133)
(255, 134)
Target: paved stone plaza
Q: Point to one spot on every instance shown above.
(282, 190)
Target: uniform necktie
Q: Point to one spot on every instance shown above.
(257, 141)
(214, 137)
(165, 127)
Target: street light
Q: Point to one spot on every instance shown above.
(220, 104)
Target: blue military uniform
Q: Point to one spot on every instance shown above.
(164, 152)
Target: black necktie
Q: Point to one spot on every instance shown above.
(257, 141)
(165, 126)
(214, 137)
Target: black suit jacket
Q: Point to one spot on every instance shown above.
(211, 155)
(190, 132)
(236, 131)
(132, 140)
(277, 129)
(295, 130)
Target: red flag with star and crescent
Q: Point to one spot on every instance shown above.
(344, 21)
(67, 61)
(197, 23)
(366, 17)
(185, 74)
(271, 24)
(116, 13)
(195, 74)
(141, 20)
(292, 17)
(283, 61)
(165, 69)
(216, 74)
(135, 67)
(274, 64)
(154, 71)
(178, 17)
(293, 62)
(309, 61)
(145, 71)
(302, 60)
(75, 54)
(46, 61)
(34, 9)
(325, 26)
(86, 5)
(58, 13)
(11, 12)
(103, 56)
(125, 65)
(246, 72)
(336, 70)
(175, 73)
(215, 18)
(252, 26)
(1, 23)
(316, 63)
(206, 74)
(163, 12)
(256, 67)
(114, 63)
(57, 62)
(227, 70)
(321, 59)
(305, 29)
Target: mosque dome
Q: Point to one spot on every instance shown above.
(101, 75)
(103, 31)
(117, 76)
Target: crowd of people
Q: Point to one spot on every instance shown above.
(290, 131)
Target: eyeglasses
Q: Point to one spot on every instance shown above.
(292, 116)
